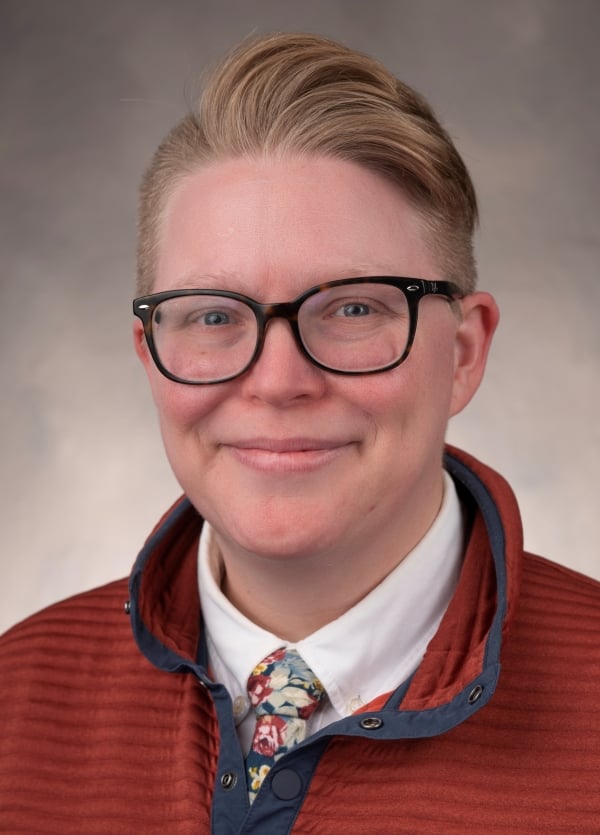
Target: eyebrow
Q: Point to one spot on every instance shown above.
(226, 280)
(194, 281)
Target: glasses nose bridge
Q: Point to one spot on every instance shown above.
(266, 313)
(279, 310)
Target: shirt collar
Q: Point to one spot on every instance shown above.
(373, 647)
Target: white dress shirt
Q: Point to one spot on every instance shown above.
(368, 651)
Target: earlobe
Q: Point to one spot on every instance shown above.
(473, 339)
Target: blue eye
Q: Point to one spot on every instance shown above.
(353, 310)
(215, 317)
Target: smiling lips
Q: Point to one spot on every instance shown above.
(287, 455)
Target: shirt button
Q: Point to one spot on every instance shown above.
(355, 704)
(240, 706)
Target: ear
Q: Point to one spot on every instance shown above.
(474, 335)
(140, 345)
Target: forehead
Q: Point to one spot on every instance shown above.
(260, 225)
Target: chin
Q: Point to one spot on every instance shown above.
(280, 536)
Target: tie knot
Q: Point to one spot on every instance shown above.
(283, 684)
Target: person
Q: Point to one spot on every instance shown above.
(336, 629)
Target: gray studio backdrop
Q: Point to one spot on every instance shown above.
(87, 89)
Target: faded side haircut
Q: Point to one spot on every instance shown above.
(285, 94)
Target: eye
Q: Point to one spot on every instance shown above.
(213, 317)
(352, 310)
(181, 315)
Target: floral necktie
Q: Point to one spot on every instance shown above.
(284, 693)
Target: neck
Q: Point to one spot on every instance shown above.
(292, 597)
(278, 598)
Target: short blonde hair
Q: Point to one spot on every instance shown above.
(295, 93)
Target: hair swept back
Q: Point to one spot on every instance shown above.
(297, 93)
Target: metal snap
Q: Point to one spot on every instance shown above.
(475, 694)
(371, 723)
(228, 780)
(127, 607)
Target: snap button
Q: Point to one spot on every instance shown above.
(127, 607)
(228, 780)
(286, 784)
(371, 723)
(475, 694)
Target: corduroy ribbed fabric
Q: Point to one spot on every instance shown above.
(529, 762)
(94, 739)
(100, 737)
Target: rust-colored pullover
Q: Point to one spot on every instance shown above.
(111, 723)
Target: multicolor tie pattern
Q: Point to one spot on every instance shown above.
(284, 693)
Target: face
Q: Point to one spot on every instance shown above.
(290, 461)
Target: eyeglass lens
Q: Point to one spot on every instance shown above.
(354, 327)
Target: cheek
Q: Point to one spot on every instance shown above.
(433, 371)
(181, 408)
(414, 397)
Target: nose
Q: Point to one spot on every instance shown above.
(282, 374)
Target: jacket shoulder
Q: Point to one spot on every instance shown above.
(556, 632)
(94, 738)
(559, 580)
(556, 600)
(68, 628)
(99, 600)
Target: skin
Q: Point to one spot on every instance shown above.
(317, 484)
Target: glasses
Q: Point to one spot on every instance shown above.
(348, 326)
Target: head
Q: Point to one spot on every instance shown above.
(306, 164)
(289, 94)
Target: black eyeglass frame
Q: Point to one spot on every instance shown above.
(414, 290)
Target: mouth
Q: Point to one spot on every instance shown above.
(289, 455)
